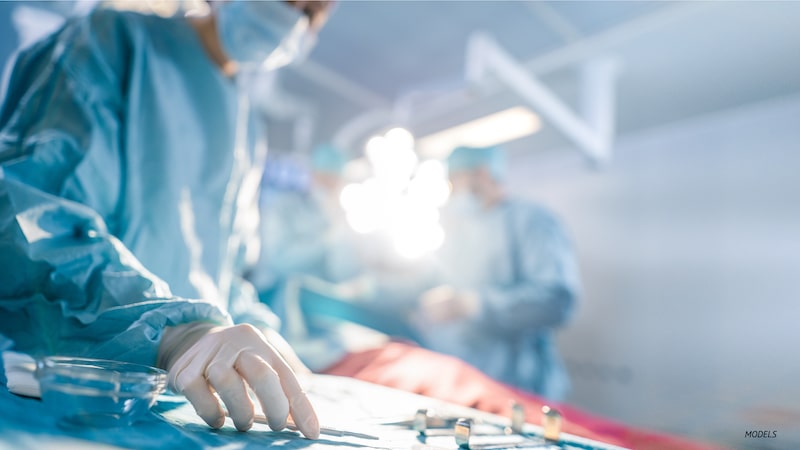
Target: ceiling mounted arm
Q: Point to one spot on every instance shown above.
(592, 131)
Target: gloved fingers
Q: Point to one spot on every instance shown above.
(299, 404)
(285, 350)
(303, 413)
(264, 381)
(230, 387)
(198, 392)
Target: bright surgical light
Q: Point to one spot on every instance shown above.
(375, 149)
(363, 221)
(393, 162)
(362, 203)
(400, 137)
(402, 162)
(352, 197)
(393, 202)
(379, 193)
(407, 213)
(431, 168)
(429, 191)
(415, 228)
(429, 186)
(415, 242)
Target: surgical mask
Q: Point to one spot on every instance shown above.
(271, 34)
(464, 204)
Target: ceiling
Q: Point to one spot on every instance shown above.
(678, 59)
(389, 47)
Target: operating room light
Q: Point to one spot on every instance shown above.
(413, 243)
(362, 221)
(392, 157)
(401, 198)
(429, 185)
(493, 129)
(400, 137)
(352, 196)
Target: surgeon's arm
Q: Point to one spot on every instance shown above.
(68, 285)
(546, 283)
(72, 288)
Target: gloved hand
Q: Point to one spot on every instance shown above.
(286, 351)
(203, 359)
(445, 304)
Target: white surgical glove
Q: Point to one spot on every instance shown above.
(286, 351)
(203, 359)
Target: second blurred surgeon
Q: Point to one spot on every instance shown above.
(304, 233)
(510, 279)
(128, 166)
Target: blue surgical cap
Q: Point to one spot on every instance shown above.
(327, 158)
(469, 158)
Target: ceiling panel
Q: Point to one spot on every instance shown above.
(694, 58)
(591, 17)
(393, 47)
(699, 57)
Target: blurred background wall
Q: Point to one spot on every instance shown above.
(689, 244)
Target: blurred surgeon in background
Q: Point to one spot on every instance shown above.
(510, 279)
(304, 232)
(128, 166)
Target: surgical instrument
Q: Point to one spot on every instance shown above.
(260, 418)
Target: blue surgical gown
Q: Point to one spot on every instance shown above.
(126, 173)
(519, 260)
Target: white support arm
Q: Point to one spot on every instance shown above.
(592, 133)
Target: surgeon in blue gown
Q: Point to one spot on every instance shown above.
(128, 170)
(509, 279)
(304, 232)
(308, 247)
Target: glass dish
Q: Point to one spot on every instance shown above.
(98, 393)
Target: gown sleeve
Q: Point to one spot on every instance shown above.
(68, 285)
(545, 284)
